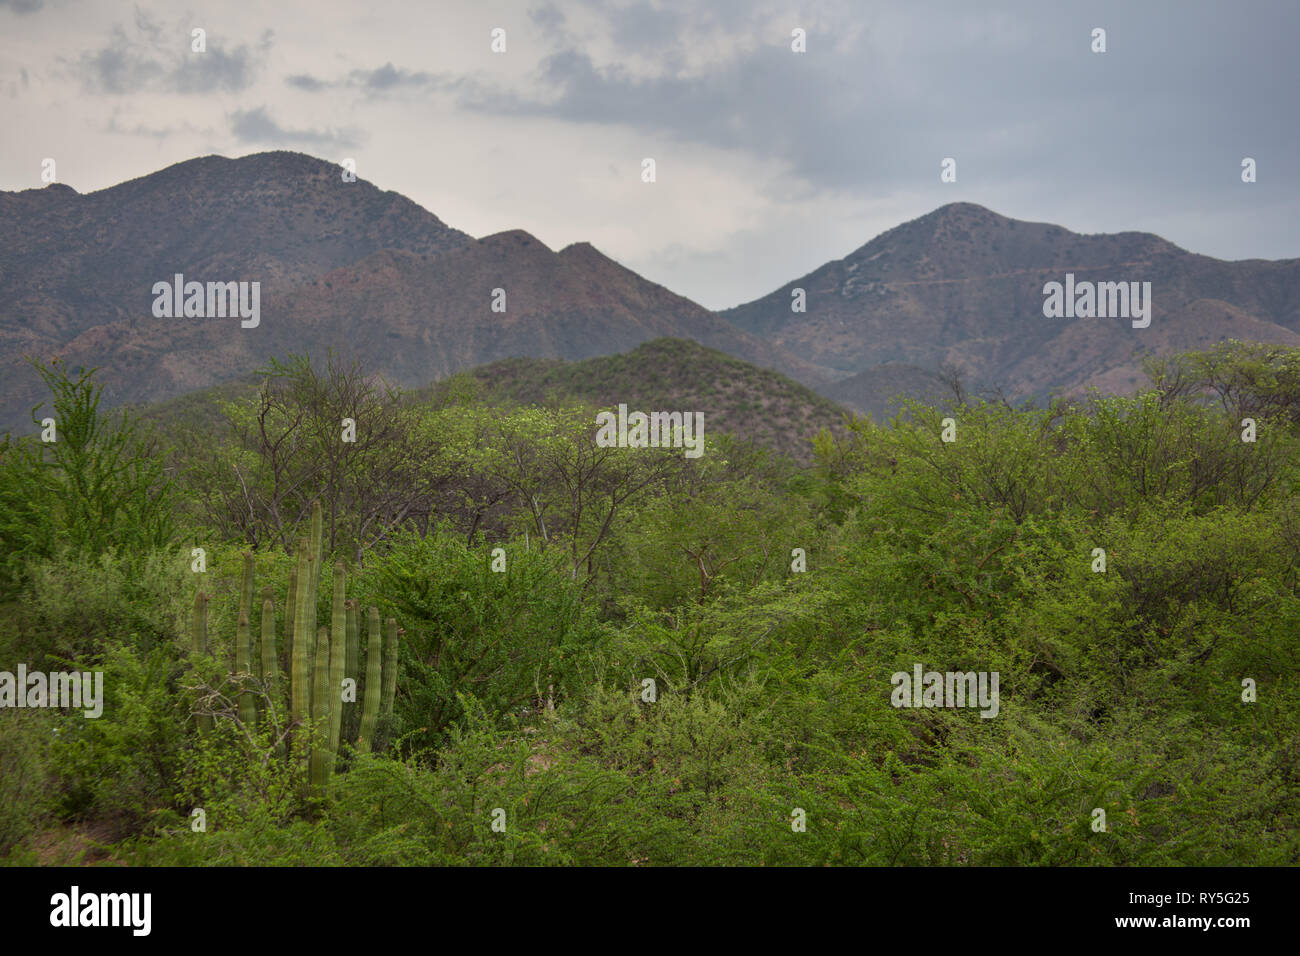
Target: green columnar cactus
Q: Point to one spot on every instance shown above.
(338, 654)
(244, 665)
(290, 611)
(299, 692)
(314, 552)
(268, 666)
(317, 661)
(353, 668)
(322, 758)
(390, 667)
(199, 638)
(374, 663)
(270, 661)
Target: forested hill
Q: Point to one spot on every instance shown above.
(666, 374)
(676, 375)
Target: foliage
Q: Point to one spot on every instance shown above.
(98, 484)
(625, 657)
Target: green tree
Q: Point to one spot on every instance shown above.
(100, 484)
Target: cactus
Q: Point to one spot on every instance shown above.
(269, 671)
(374, 663)
(338, 654)
(322, 757)
(316, 661)
(352, 666)
(315, 555)
(390, 667)
(199, 638)
(244, 662)
(290, 611)
(270, 663)
(299, 693)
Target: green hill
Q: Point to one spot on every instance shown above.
(675, 375)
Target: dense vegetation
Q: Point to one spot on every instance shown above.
(524, 690)
(765, 406)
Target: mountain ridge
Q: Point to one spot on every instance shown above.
(367, 271)
(964, 284)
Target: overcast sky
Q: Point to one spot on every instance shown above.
(769, 162)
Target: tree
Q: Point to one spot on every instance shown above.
(99, 484)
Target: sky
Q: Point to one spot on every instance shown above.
(768, 162)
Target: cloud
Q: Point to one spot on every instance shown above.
(117, 68)
(152, 132)
(149, 61)
(548, 17)
(380, 81)
(389, 77)
(873, 106)
(305, 81)
(22, 6)
(214, 70)
(257, 126)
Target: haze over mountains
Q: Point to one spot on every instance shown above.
(376, 277)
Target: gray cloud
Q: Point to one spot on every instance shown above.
(1035, 119)
(214, 70)
(117, 69)
(257, 126)
(305, 81)
(389, 77)
(22, 6)
(846, 118)
(642, 26)
(151, 132)
(548, 17)
(380, 81)
(157, 59)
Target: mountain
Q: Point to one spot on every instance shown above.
(370, 274)
(340, 265)
(963, 286)
(677, 375)
(878, 390)
(77, 270)
(432, 317)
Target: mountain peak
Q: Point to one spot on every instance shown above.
(963, 285)
(962, 209)
(954, 217)
(587, 254)
(514, 239)
(54, 191)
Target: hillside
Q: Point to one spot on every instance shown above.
(340, 265)
(371, 275)
(676, 375)
(963, 286)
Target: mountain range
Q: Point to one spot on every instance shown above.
(345, 265)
